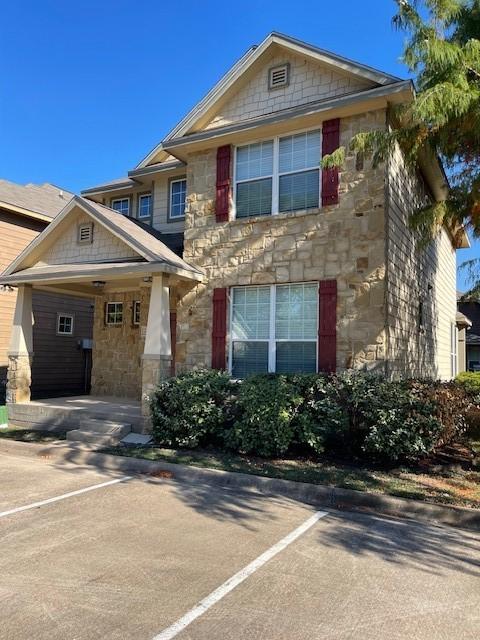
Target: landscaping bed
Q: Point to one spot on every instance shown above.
(431, 481)
(30, 435)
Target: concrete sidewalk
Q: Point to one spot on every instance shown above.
(316, 495)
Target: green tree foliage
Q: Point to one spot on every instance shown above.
(443, 52)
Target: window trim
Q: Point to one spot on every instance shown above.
(453, 349)
(65, 315)
(271, 341)
(134, 310)
(113, 324)
(275, 176)
(171, 181)
(129, 198)
(139, 197)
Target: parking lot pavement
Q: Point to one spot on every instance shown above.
(132, 559)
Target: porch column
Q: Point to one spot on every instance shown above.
(157, 354)
(20, 350)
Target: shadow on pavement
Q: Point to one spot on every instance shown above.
(425, 547)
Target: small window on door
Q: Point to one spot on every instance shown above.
(64, 325)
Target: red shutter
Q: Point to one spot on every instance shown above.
(327, 326)
(219, 329)
(173, 338)
(330, 142)
(222, 203)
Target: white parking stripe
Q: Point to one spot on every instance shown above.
(238, 578)
(64, 496)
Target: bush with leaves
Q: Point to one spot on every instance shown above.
(267, 406)
(192, 409)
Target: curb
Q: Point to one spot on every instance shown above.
(312, 494)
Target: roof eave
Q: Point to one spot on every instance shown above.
(27, 213)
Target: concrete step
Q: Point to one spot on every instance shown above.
(108, 427)
(101, 439)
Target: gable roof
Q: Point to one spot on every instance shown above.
(142, 240)
(42, 201)
(227, 82)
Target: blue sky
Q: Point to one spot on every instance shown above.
(87, 88)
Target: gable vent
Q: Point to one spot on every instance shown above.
(85, 233)
(279, 76)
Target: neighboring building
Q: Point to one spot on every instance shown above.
(59, 365)
(471, 309)
(285, 266)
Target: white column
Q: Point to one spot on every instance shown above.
(157, 354)
(20, 350)
(21, 338)
(157, 339)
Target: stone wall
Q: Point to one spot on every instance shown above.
(344, 241)
(117, 350)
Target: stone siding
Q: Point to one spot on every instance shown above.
(420, 281)
(67, 250)
(309, 81)
(345, 242)
(117, 350)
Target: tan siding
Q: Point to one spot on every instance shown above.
(66, 249)
(159, 187)
(416, 276)
(16, 232)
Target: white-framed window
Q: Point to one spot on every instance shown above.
(177, 197)
(122, 205)
(114, 313)
(453, 349)
(278, 175)
(136, 313)
(273, 328)
(64, 324)
(144, 205)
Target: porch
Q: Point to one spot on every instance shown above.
(134, 279)
(65, 414)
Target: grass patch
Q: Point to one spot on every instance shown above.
(30, 435)
(459, 487)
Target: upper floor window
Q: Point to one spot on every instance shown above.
(279, 175)
(145, 205)
(122, 205)
(178, 194)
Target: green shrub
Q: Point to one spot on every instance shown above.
(321, 420)
(191, 409)
(351, 414)
(267, 405)
(470, 381)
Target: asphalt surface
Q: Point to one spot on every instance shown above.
(128, 560)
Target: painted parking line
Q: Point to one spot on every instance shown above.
(64, 496)
(238, 578)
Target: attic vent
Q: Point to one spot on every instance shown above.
(85, 233)
(279, 76)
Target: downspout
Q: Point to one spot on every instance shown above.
(387, 250)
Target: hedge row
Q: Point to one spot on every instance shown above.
(350, 414)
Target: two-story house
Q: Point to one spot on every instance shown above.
(228, 246)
